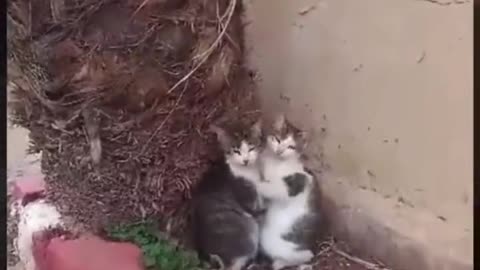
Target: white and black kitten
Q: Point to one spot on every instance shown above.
(293, 222)
(225, 203)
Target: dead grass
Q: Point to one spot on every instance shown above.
(124, 135)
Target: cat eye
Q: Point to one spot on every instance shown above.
(291, 147)
(277, 139)
(236, 151)
(251, 149)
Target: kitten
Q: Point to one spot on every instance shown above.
(292, 221)
(225, 202)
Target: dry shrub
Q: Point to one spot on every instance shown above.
(117, 142)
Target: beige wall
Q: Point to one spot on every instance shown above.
(392, 83)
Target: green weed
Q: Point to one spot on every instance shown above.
(158, 252)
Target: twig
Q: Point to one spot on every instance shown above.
(229, 14)
(147, 35)
(164, 121)
(30, 19)
(93, 7)
(139, 8)
(220, 20)
(366, 264)
(204, 56)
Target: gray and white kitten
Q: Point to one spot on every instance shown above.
(292, 222)
(225, 203)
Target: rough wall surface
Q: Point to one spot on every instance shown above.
(386, 89)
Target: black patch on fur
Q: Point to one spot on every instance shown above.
(310, 228)
(295, 183)
(305, 231)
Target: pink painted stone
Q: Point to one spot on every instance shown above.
(29, 188)
(88, 253)
(40, 241)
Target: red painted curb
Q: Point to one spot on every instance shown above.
(40, 241)
(29, 189)
(86, 253)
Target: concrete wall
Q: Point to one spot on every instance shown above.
(391, 84)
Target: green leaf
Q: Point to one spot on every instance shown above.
(149, 261)
(158, 252)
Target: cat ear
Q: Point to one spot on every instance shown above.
(257, 129)
(222, 136)
(279, 122)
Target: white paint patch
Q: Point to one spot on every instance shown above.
(35, 217)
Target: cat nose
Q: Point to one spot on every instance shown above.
(245, 162)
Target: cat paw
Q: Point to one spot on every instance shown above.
(306, 255)
(305, 267)
(239, 263)
(253, 266)
(278, 265)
